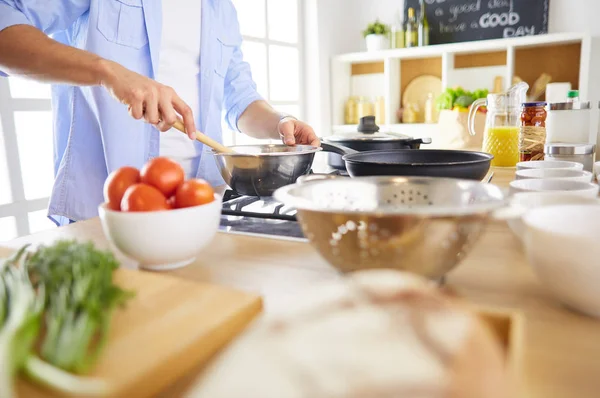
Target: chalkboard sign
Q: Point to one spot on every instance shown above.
(454, 21)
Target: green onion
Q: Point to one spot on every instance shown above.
(67, 286)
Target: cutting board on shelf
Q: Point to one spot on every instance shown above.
(171, 327)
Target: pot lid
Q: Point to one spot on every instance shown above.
(356, 136)
(368, 130)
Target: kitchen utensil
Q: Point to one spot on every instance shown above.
(273, 166)
(162, 240)
(568, 122)
(419, 88)
(203, 138)
(368, 138)
(167, 330)
(561, 244)
(501, 135)
(555, 174)
(533, 200)
(577, 188)
(557, 92)
(422, 225)
(409, 162)
(549, 164)
(539, 87)
(580, 153)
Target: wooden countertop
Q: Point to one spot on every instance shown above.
(562, 348)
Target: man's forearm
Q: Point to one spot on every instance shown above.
(28, 52)
(260, 121)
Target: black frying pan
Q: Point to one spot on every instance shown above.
(414, 162)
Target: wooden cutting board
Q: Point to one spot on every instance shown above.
(169, 328)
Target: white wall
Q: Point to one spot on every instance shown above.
(334, 27)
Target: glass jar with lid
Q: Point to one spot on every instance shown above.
(532, 134)
(364, 107)
(581, 153)
(568, 122)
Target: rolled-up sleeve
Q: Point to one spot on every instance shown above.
(240, 88)
(49, 16)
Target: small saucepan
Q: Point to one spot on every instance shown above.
(468, 165)
(369, 138)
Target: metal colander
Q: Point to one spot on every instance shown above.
(417, 224)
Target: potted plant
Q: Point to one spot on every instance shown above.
(377, 36)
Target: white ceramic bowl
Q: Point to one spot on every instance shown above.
(162, 240)
(528, 201)
(562, 246)
(596, 170)
(585, 189)
(557, 174)
(549, 164)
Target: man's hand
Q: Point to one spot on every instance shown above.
(295, 132)
(156, 103)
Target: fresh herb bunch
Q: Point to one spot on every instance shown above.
(20, 319)
(80, 298)
(69, 286)
(376, 28)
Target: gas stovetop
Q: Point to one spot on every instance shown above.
(265, 217)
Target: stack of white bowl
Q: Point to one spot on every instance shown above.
(559, 225)
(554, 176)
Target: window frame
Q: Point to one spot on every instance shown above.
(19, 207)
(299, 45)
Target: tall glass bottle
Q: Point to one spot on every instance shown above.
(411, 31)
(423, 28)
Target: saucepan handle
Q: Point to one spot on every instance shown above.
(426, 140)
(340, 150)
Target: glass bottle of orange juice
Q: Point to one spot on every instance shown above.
(501, 135)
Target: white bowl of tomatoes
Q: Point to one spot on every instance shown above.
(157, 217)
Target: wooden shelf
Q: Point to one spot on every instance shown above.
(567, 57)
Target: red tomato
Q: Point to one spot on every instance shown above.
(143, 197)
(117, 183)
(164, 174)
(193, 193)
(171, 202)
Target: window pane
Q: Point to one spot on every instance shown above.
(5, 191)
(38, 221)
(283, 20)
(256, 55)
(34, 137)
(23, 88)
(8, 229)
(251, 15)
(283, 67)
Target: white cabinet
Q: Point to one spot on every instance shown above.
(566, 57)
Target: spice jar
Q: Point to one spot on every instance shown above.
(350, 111)
(364, 108)
(580, 153)
(532, 134)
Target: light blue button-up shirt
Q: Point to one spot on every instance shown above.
(93, 132)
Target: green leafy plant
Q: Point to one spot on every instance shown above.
(459, 98)
(63, 296)
(376, 28)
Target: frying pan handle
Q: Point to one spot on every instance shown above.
(340, 150)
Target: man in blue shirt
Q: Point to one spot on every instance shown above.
(103, 59)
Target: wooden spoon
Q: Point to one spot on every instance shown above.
(203, 138)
